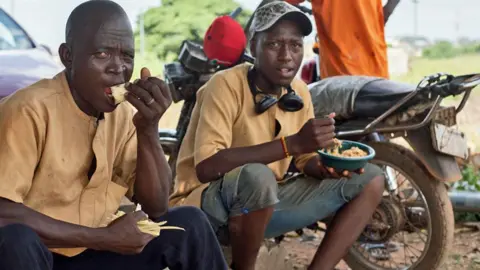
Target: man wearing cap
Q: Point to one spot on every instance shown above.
(247, 126)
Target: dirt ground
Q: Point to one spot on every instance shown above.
(464, 254)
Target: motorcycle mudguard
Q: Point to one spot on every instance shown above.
(441, 166)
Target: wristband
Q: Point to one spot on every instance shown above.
(284, 146)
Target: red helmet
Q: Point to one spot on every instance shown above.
(225, 41)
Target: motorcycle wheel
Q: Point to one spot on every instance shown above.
(440, 212)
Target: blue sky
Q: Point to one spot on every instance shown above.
(438, 19)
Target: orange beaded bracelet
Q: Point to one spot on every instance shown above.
(284, 145)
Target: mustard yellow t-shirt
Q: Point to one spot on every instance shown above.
(224, 117)
(47, 145)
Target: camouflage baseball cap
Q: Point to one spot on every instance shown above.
(266, 16)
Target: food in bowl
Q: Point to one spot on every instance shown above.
(338, 158)
(354, 151)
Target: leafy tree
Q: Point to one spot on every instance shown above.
(176, 20)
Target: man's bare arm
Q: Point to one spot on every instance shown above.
(388, 9)
(226, 160)
(315, 134)
(54, 233)
(153, 177)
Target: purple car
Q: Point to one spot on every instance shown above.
(22, 61)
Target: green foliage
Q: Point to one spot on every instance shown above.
(441, 49)
(421, 67)
(470, 180)
(470, 49)
(176, 20)
(446, 49)
(466, 217)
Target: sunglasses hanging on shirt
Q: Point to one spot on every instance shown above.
(290, 102)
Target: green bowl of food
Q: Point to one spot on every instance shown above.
(346, 155)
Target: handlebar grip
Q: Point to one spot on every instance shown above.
(236, 12)
(447, 89)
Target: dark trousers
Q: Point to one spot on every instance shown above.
(195, 248)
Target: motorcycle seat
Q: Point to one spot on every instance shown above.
(378, 96)
(357, 96)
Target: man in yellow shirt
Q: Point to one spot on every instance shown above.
(241, 141)
(351, 36)
(68, 155)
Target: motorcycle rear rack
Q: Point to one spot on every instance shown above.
(371, 127)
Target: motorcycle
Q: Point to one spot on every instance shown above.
(366, 110)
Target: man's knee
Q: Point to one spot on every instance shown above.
(257, 187)
(376, 185)
(187, 216)
(371, 182)
(247, 188)
(257, 176)
(17, 235)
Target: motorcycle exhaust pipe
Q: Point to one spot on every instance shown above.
(465, 201)
(462, 201)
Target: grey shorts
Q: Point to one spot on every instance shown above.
(297, 202)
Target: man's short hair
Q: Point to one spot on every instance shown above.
(87, 11)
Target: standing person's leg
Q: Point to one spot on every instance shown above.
(195, 248)
(242, 203)
(306, 200)
(22, 249)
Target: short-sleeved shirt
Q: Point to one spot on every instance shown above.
(47, 146)
(224, 117)
(351, 34)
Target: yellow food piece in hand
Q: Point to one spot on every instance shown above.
(150, 227)
(118, 93)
